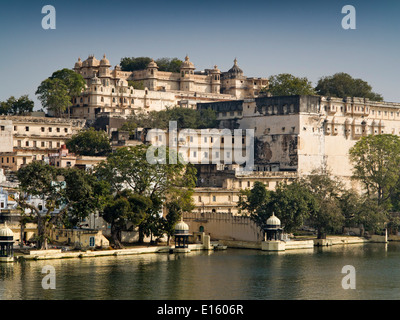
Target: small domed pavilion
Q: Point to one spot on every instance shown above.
(181, 235)
(6, 244)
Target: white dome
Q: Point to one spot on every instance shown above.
(273, 221)
(181, 227)
(6, 232)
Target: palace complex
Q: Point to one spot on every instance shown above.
(108, 90)
(292, 135)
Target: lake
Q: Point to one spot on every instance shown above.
(232, 274)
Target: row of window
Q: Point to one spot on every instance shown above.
(35, 144)
(43, 129)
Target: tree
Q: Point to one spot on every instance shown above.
(343, 85)
(65, 192)
(376, 164)
(90, 142)
(53, 94)
(327, 215)
(185, 118)
(129, 168)
(21, 106)
(141, 63)
(293, 204)
(285, 84)
(125, 208)
(56, 92)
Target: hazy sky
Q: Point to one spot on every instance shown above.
(304, 38)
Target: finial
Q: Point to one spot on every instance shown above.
(235, 61)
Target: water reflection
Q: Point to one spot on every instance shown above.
(232, 274)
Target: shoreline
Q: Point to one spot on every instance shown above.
(219, 245)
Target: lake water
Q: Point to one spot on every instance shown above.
(233, 274)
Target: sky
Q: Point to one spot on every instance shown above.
(268, 37)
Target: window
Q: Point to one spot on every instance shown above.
(15, 128)
(66, 130)
(214, 198)
(91, 242)
(2, 128)
(50, 129)
(58, 129)
(26, 128)
(42, 129)
(27, 143)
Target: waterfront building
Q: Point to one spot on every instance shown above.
(306, 133)
(108, 91)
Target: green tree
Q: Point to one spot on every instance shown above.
(285, 84)
(343, 85)
(134, 64)
(64, 191)
(125, 208)
(376, 164)
(90, 142)
(56, 92)
(141, 63)
(327, 215)
(139, 85)
(53, 94)
(21, 106)
(129, 168)
(185, 118)
(293, 204)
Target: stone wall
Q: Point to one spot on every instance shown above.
(224, 226)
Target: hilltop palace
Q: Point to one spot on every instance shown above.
(293, 135)
(108, 90)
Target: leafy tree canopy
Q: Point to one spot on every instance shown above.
(56, 92)
(343, 85)
(185, 118)
(285, 84)
(141, 63)
(21, 106)
(376, 164)
(89, 142)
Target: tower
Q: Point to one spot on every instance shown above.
(187, 72)
(151, 70)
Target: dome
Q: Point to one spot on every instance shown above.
(104, 61)
(181, 227)
(273, 222)
(235, 69)
(78, 64)
(6, 232)
(187, 64)
(152, 64)
(91, 61)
